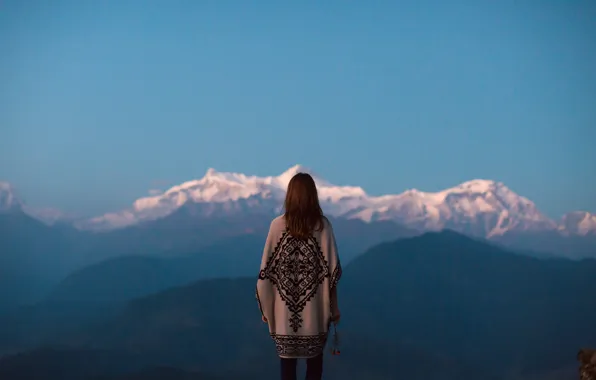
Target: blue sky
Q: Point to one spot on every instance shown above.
(101, 101)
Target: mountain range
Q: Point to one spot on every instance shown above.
(479, 208)
(482, 207)
(439, 305)
(166, 285)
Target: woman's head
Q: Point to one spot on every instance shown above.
(302, 210)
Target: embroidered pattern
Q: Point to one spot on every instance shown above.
(297, 268)
(299, 346)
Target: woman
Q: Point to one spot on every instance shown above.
(297, 285)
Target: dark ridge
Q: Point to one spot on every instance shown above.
(437, 305)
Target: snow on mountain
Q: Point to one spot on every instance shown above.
(9, 201)
(478, 207)
(578, 223)
(224, 188)
(48, 215)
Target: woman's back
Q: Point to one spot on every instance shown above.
(300, 269)
(303, 273)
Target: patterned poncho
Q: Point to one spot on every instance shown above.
(295, 286)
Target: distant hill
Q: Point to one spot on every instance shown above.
(437, 305)
(184, 232)
(450, 293)
(130, 276)
(35, 257)
(32, 256)
(127, 277)
(574, 246)
(215, 325)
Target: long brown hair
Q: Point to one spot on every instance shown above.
(303, 212)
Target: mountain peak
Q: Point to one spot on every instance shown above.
(9, 200)
(579, 222)
(285, 177)
(6, 186)
(210, 172)
(479, 186)
(295, 170)
(212, 175)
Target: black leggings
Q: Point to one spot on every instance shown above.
(314, 368)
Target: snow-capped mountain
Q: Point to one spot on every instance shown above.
(479, 207)
(48, 215)
(9, 201)
(226, 192)
(578, 223)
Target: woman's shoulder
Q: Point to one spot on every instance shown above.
(278, 223)
(327, 223)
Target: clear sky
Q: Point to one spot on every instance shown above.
(101, 101)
